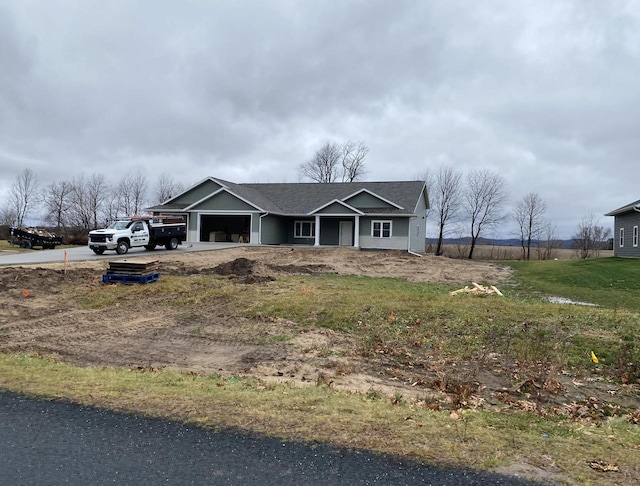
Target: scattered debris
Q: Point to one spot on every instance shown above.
(603, 466)
(478, 289)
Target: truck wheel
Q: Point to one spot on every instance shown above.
(149, 247)
(98, 251)
(172, 244)
(122, 248)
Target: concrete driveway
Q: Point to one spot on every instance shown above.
(83, 253)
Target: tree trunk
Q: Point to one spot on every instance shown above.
(473, 246)
(439, 247)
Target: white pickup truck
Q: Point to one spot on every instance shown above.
(135, 232)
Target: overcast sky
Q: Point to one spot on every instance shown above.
(547, 93)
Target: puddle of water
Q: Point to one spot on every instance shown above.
(564, 300)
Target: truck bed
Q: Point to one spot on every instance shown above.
(163, 230)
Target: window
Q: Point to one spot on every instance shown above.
(305, 229)
(621, 237)
(381, 229)
(635, 236)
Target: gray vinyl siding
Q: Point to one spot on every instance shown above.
(364, 200)
(224, 202)
(399, 234)
(197, 193)
(330, 231)
(418, 227)
(335, 208)
(274, 230)
(291, 225)
(626, 221)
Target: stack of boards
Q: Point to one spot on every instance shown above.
(132, 272)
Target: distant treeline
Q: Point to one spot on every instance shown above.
(564, 244)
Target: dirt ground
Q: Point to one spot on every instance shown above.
(216, 339)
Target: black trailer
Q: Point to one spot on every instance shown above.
(32, 237)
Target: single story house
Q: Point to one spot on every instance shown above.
(376, 215)
(625, 230)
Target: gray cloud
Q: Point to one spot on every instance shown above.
(542, 92)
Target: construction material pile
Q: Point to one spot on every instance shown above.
(131, 272)
(38, 231)
(478, 289)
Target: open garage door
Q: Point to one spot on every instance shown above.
(236, 228)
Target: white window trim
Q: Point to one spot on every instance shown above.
(382, 222)
(621, 241)
(300, 224)
(635, 236)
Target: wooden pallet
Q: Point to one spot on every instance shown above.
(130, 279)
(133, 267)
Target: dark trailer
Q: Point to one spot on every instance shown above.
(32, 237)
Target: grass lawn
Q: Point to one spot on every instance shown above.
(613, 283)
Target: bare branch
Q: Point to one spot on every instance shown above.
(446, 199)
(333, 162)
(485, 195)
(529, 213)
(166, 188)
(590, 238)
(23, 196)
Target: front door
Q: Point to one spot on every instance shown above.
(346, 233)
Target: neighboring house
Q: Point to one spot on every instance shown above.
(625, 230)
(382, 215)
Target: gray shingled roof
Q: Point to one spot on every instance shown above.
(302, 198)
(623, 209)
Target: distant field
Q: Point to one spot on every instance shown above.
(489, 252)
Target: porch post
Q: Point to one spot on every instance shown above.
(317, 242)
(356, 232)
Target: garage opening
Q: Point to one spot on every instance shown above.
(236, 229)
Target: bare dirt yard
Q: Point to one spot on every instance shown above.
(36, 316)
(42, 313)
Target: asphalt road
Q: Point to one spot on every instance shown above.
(83, 253)
(56, 443)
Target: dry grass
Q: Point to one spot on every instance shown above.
(470, 438)
(490, 252)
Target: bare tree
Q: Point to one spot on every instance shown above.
(166, 187)
(58, 199)
(334, 161)
(590, 238)
(23, 195)
(8, 216)
(132, 190)
(445, 199)
(528, 213)
(89, 195)
(353, 155)
(548, 241)
(486, 193)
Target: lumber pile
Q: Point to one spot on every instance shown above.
(131, 272)
(478, 289)
(132, 267)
